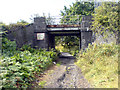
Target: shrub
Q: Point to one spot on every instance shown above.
(18, 67)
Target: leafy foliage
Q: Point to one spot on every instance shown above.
(68, 44)
(106, 19)
(22, 22)
(20, 66)
(78, 8)
(99, 64)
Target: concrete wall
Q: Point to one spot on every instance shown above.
(40, 27)
(22, 35)
(51, 42)
(86, 38)
(28, 34)
(86, 22)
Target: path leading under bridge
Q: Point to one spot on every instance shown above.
(64, 74)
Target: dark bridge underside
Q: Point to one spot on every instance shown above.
(65, 32)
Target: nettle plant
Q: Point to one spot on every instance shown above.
(19, 66)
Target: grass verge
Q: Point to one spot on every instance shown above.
(99, 64)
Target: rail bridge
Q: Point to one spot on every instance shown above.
(44, 33)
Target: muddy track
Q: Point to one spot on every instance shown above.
(67, 75)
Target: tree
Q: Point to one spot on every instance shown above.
(106, 19)
(78, 8)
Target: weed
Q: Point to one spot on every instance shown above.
(42, 84)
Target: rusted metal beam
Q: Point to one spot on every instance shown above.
(62, 26)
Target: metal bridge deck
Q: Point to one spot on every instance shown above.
(61, 30)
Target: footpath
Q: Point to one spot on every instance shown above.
(64, 74)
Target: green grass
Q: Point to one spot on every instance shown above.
(99, 64)
(58, 64)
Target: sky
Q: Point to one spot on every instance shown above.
(12, 11)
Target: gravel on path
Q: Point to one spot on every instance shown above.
(66, 75)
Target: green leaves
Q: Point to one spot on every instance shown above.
(78, 8)
(22, 64)
(8, 47)
(106, 18)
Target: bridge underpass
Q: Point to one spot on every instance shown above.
(49, 32)
(64, 30)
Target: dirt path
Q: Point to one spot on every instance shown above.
(63, 75)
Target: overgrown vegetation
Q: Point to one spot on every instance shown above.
(67, 44)
(78, 8)
(106, 19)
(99, 64)
(19, 67)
